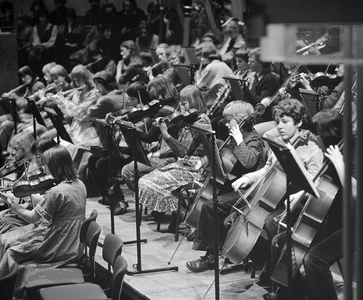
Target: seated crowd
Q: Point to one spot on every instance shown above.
(171, 118)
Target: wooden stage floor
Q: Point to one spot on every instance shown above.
(157, 252)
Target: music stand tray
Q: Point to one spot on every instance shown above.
(190, 56)
(236, 86)
(183, 71)
(292, 165)
(36, 113)
(102, 129)
(219, 166)
(9, 107)
(58, 124)
(134, 144)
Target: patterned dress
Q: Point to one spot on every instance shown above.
(155, 188)
(53, 241)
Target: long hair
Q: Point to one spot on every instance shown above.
(58, 70)
(80, 71)
(193, 95)
(135, 58)
(60, 164)
(25, 141)
(239, 110)
(162, 89)
(328, 124)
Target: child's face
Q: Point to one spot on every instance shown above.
(286, 127)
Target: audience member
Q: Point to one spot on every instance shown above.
(146, 40)
(7, 9)
(130, 18)
(58, 16)
(69, 38)
(43, 43)
(37, 7)
(94, 14)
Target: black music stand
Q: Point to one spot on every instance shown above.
(210, 147)
(190, 56)
(140, 156)
(236, 86)
(183, 71)
(105, 134)
(295, 174)
(9, 107)
(37, 117)
(310, 99)
(58, 125)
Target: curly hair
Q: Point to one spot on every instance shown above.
(292, 108)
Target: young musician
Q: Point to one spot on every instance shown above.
(264, 86)
(289, 115)
(327, 247)
(56, 241)
(156, 188)
(209, 77)
(131, 64)
(247, 147)
(21, 144)
(165, 92)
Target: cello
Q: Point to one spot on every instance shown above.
(248, 226)
(307, 225)
(227, 162)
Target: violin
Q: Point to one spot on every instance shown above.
(16, 166)
(137, 114)
(321, 78)
(40, 185)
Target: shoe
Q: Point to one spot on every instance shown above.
(201, 264)
(274, 296)
(120, 208)
(104, 201)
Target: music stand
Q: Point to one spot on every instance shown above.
(58, 125)
(140, 156)
(105, 134)
(310, 99)
(9, 107)
(218, 170)
(295, 174)
(183, 71)
(190, 56)
(37, 117)
(236, 86)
